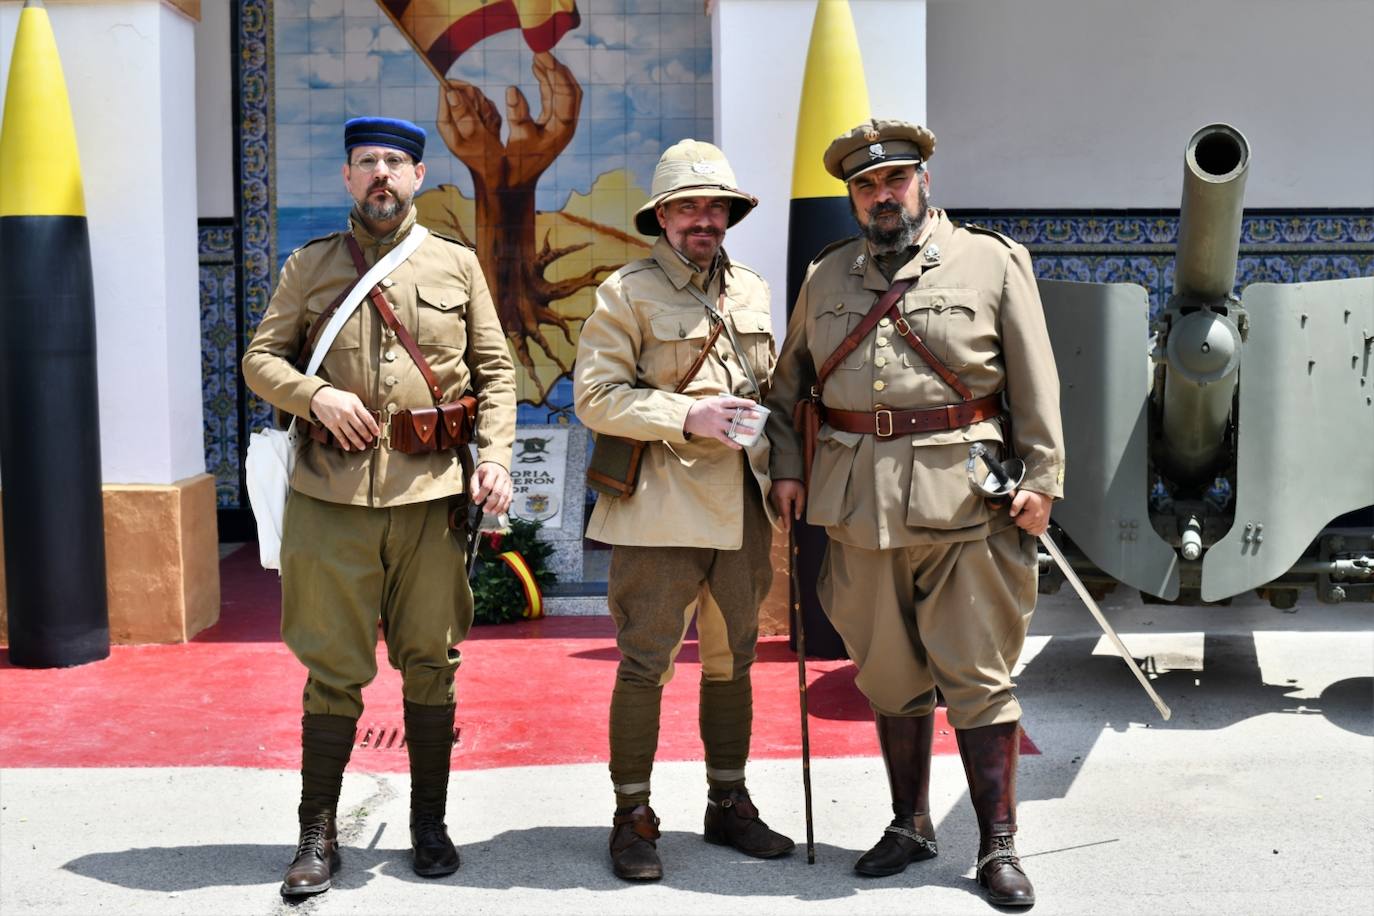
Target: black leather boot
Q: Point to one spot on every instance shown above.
(732, 820)
(634, 845)
(326, 744)
(990, 755)
(429, 742)
(905, 742)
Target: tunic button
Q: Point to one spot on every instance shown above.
(884, 322)
(882, 341)
(387, 283)
(839, 306)
(389, 334)
(391, 408)
(390, 380)
(880, 362)
(390, 356)
(681, 332)
(879, 385)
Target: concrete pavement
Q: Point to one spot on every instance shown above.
(1258, 797)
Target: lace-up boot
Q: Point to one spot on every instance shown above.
(990, 755)
(905, 742)
(429, 742)
(326, 745)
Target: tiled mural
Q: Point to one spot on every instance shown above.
(605, 94)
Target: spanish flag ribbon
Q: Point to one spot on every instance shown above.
(441, 30)
(534, 599)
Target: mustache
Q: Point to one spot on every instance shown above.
(887, 206)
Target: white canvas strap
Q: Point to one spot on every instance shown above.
(384, 266)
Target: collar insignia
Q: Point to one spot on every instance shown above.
(932, 253)
(859, 262)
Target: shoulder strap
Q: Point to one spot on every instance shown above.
(933, 361)
(861, 330)
(333, 318)
(391, 321)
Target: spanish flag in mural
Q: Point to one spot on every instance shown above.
(443, 29)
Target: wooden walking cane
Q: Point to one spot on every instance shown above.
(801, 689)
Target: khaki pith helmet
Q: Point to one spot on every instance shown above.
(878, 143)
(692, 168)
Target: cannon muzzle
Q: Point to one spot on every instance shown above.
(1202, 344)
(1214, 168)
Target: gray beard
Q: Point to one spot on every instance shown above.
(383, 212)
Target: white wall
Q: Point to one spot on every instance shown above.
(760, 55)
(214, 115)
(1089, 103)
(129, 70)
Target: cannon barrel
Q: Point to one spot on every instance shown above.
(1203, 344)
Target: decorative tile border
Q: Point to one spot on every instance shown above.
(1139, 246)
(219, 324)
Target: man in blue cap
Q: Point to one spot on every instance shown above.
(374, 524)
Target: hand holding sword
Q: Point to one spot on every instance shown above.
(1002, 481)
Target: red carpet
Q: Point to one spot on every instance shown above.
(530, 694)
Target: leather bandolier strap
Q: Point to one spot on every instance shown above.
(417, 431)
(884, 423)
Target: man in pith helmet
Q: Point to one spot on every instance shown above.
(677, 355)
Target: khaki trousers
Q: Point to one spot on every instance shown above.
(344, 569)
(654, 592)
(950, 615)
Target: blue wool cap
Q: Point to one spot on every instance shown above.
(392, 132)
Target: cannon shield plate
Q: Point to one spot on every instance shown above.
(1100, 338)
(1305, 424)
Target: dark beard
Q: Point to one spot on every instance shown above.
(900, 237)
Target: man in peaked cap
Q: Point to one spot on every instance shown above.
(929, 585)
(374, 524)
(693, 537)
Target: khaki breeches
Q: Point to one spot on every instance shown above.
(655, 591)
(951, 615)
(344, 569)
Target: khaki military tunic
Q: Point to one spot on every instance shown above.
(366, 534)
(645, 332)
(906, 530)
(441, 297)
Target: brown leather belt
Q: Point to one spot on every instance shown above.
(888, 424)
(416, 432)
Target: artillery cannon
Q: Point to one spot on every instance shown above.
(1231, 446)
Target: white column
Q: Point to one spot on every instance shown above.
(130, 71)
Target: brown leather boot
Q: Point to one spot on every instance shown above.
(634, 845)
(990, 755)
(429, 743)
(317, 858)
(905, 742)
(732, 820)
(326, 744)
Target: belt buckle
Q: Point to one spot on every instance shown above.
(902, 327)
(384, 425)
(878, 423)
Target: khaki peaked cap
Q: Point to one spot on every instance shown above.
(692, 168)
(877, 143)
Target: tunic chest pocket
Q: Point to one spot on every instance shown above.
(350, 335)
(833, 324)
(754, 332)
(946, 319)
(442, 316)
(677, 339)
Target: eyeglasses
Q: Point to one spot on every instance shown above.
(393, 163)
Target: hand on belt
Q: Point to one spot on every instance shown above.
(888, 424)
(414, 432)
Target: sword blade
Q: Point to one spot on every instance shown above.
(1121, 649)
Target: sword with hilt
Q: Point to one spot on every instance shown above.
(1004, 481)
